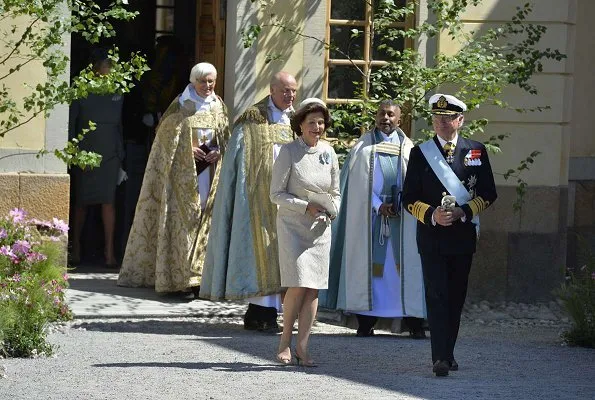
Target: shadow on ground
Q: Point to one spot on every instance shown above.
(491, 361)
(495, 361)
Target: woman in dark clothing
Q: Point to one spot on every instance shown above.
(98, 185)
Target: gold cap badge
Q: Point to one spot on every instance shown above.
(442, 103)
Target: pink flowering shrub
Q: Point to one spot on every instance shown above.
(32, 283)
(578, 296)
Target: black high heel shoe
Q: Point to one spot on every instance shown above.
(303, 362)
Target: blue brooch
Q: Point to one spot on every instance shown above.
(325, 158)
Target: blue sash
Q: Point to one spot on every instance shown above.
(446, 175)
(384, 227)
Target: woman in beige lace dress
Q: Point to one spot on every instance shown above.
(305, 186)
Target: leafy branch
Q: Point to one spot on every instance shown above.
(521, 188)
(484, 65)
(41, 41)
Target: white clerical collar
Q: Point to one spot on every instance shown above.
(386, 137)
(278, 116)
(189, 93)
(274, 108)
(453, 141)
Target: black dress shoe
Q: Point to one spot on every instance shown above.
(365, 333)
(179, 295)
(415, 327)
(454, 366)
(268, 320)
(417, 334)
(250, 322)
(441, 368)
(250, 325)
(268, 326)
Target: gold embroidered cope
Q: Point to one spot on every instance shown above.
(259, 138)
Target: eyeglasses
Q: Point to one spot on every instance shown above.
(451, 117)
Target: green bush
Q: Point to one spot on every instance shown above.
(32, 282)
(578, 296)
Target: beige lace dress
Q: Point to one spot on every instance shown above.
(300, 173)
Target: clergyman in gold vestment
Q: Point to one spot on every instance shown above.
(168, 238)
(242, 260)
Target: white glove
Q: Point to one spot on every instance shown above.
(321, 218)
(122, 176)
(149, 120)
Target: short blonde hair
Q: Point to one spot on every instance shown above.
(200, 70)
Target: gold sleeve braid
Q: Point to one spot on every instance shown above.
(418, 210)
(477, 205)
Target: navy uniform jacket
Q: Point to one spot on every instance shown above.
(422, 193)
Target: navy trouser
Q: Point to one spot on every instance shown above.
(445, 279)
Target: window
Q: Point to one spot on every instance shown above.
(342, 77)
(164, 17)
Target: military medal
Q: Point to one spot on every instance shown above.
(449, 148)
(471, 184)
(473, 158)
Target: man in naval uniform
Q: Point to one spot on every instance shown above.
(375, 268)
(449, 182)
(242, 258)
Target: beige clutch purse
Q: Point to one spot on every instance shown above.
(326, 201)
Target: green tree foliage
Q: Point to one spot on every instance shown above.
(488, 61)
(34, 31)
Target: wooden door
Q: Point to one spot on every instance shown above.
(210, 37)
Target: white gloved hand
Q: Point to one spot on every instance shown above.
(149, 120)
(122, 176)
(321, 218)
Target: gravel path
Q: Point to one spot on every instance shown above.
(214, 358)
(132, 344)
